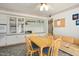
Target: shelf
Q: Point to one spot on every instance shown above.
(16, 25)
(29, 22)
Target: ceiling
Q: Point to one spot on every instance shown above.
(33, 8)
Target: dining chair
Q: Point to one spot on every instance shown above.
(31, 49)
(47, 51)
(57, 45)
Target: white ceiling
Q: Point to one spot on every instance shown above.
(33, 8)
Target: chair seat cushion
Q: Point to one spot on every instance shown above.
(34, 46)
(45, 50)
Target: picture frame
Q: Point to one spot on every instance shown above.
(77, 22)
(59, 22)
(75, 16)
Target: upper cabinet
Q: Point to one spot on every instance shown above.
(16, 25)
(3, 19)
(12, 24)
(34, 25)
(33, 21)
(20, 25)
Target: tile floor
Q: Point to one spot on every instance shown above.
(19, 50)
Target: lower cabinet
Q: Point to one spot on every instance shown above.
(3, 41)
(14, 39)
(11, 40)
(20, 38)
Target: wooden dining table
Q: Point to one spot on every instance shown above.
(41, 42)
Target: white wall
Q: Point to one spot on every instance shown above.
(70, 28)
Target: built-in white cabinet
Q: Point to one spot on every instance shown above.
(3, 19)
(16, 30)
(21, 38)
(16, 25)
(12, 24)
(11, 40)
(3, 29)
(20, 25)
(14, 39)
(2, 40)
(35, 25)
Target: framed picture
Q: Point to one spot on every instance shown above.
(77, 22)
(75, 16)
(59, 22)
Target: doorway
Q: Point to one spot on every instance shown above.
(50, 26)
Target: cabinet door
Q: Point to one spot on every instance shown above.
(3, 19)
(12, 25)
(20, 39)
(3, 41)
(11, 40)
(20, 25)
(15, 39)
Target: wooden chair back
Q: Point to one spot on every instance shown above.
(28, 44)
(57, 44)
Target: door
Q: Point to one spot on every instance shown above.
(50, 26)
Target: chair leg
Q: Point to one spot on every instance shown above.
(27, 54)
(39, 53)
(55, 52)
(31, 54)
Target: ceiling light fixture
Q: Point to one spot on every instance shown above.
(44, 6)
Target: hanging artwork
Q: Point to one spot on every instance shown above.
(59, 22)
(77, 22)
(75, 16)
